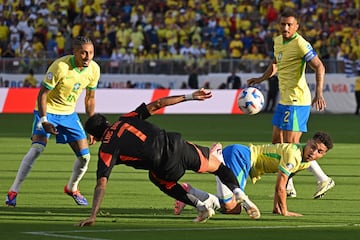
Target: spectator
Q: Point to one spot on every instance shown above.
(51, 47)
(129, 84)
(8, 52)
(233, 81)
(29, 80)
(15, 44)
(236, 47)
(272, 94)
(193, 80)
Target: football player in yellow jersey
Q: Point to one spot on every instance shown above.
(55, 114)
(357, 93)
(291, 53)
(253, 161)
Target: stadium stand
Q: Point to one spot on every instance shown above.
(168, 36)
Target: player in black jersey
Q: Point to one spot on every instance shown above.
(138, 143)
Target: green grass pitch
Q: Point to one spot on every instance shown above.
(135, 209)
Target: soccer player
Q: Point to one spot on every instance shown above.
(140, 144)
(55, 114)
(255, 160)
(291, 53)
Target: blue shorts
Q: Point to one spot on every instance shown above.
(291, 118)
(69, 127)
(237, 157)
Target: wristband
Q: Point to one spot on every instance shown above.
(43, 119)
(189, 97)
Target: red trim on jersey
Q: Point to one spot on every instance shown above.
(133, 130)
(204, 162)
(106, 158)
(167, 184)
(127, 158)
(20, 100)
(130, 114)
(160, 93)
(235, 107)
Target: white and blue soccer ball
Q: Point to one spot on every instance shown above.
(250, 100)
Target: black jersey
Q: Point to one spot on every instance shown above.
(143, 145)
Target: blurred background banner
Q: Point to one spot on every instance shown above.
(338, 92)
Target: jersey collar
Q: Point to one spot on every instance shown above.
(289, 40)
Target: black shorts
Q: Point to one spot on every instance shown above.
(179, 156)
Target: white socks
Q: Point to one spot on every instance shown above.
(317, 171)
(290, 184)
(26, 165)
(79, 170)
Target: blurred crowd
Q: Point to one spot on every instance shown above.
(193, 31)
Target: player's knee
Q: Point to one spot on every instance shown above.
(84, 157)
(38, 148)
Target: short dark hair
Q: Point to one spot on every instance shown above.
(324, 138)
(81, 40)
(96, 125)
(289, 12)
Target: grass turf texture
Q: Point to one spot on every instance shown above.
(135, 209)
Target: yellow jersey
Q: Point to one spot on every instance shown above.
(357, 84)
(291, 57)
(270, 158)
(66, 83)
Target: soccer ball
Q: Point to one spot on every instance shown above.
(250, 100)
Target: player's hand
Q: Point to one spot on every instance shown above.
(287, 213)
(319, 103)
(92, 140)
(253, 81)
(85, 222)
(293, 214)
(202, 94)
(49, 128)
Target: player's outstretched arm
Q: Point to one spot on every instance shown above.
(199, 95)
(269, 72)
(99, 193)
(280, 206)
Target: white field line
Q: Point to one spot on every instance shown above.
(62, 234)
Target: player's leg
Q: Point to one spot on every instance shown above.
(324, 182)
(291, 137)
(176, 191)
(200, 159)
(72, 132)
(290, 188)
(238, 158)
(210, 200)
(24, 169)
(228, 178)
(81, 163)
(289, 122)
(39, 141)
(216, 167)
(299, 125)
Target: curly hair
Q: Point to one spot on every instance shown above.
(324, 138)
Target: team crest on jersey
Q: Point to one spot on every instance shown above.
(50, 75)
(76, 86)
(289, 166)
(279, 56)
